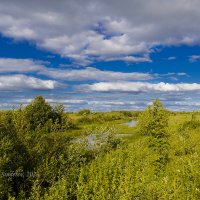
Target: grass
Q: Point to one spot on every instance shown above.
(130, 173)
(87, 124)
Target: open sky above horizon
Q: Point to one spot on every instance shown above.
(99, 54)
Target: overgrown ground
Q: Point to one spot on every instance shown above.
(87, 124)
(159, 160)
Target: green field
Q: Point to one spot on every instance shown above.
(46, 154)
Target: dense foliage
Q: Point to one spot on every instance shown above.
(36, 149)
(46, 153)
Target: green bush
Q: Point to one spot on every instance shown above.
(154, 121)
(162, 162)
(84, 112)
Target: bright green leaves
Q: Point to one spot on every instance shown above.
(38, 113)
(154, 123)
(154, 120)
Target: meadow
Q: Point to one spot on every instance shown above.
(46, 154)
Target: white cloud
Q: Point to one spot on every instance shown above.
(20, 82)
(187, 103)
(140, 87)
(194, 58)
(182, 74)
(121, 103)
(19, 65)
(96, 30)
(116, 45)
(91, 73)
(133, 59)
(67, 101)
(171, 58)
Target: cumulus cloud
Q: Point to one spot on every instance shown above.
(20, 82)
(140, 87)
(19, 65)
(91, 73)
(89, 30)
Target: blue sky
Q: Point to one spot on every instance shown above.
(116, 55)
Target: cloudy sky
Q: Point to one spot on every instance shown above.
(100, 54)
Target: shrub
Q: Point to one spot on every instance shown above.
(193, 123)
(154, 123)
(84, 112)
(38, 112)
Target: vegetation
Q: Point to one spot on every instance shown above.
(46, 153)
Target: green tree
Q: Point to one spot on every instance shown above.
(153, 122)
(38, 113)
(14, 158)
